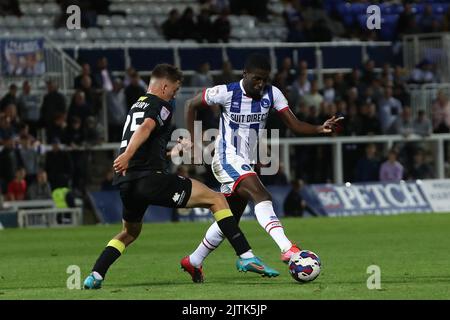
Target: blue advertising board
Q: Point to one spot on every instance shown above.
(366, 198)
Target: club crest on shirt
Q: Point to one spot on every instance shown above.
(246, 167)
(212, 92)
(164, 113)
(265, 103)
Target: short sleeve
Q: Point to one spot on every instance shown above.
(279, 100)
(160, 114)
(215, 95)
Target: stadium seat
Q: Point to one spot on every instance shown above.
(247, 21)
(103, 20)
(12, 21)
(440, 8)
(110, 33)
(95, 33)
(51, 8)
(358, 8)
(118, 21)
(417, 8)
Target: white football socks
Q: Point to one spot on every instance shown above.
(269, 221)
(210, 242)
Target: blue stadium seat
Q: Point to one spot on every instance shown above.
(440, 8)
(417, 8)
(358, 8)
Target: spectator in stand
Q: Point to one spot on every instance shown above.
(8, 162)
(222, 27)
(352, 123)
(368, 168)
(134, 90)
(9, 98)
(171, 26)
(92, 96)
(56, 132)
(130, 72)
(117, 110)
(17, 188)
(93, 131)
(85, 72)
(352, 97)
(107, 181)
(29, 107)
(205, 27)
(313, 97)
(103, 77)
(404, 124)
(370, 124)
(446, 21)
(74, 135)
(440, 111)
(340, 85)
(426, 22)
(227, 75)
(59, 167)
(405, 20)
(53, 104)
(391, 170)
(422, 125)
(187, 25)
(368, 73)
(328, 92)
(389, 109)
(79, 108)
(299, 88)
(423, 73)
(10, 113)
(420, 169)
(7, 131)
(294, 205)
(202, 78)
(40, 189)
(28, 158)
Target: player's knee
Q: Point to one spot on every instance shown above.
(218, 199)
(261, 195)
(132, 232)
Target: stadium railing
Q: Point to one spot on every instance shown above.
(432, 46)
(423, 96)
(321, 56)
(54, 217)
(436, 140)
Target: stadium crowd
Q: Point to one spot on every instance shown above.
(373, 102)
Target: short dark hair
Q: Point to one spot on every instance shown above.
(257, 61)
(167, 71)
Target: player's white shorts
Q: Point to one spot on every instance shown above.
(230, 172)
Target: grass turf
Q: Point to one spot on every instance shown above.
(411, 250)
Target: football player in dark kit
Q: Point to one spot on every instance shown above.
(141, 172)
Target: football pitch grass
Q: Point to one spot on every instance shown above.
(412, 251)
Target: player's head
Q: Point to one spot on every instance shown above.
(165, 81)
(256, 74)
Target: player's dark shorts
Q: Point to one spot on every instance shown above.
(166, 190)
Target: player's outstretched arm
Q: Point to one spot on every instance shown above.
(300, 127)
(137, 139)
